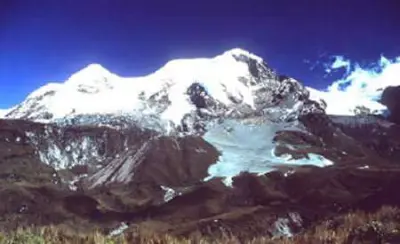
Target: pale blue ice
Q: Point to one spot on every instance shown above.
(249, 148)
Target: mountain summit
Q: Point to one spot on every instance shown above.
(234, 84)
(201, 145)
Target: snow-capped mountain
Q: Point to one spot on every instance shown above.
(184, 145)
(234, 100)
(179, 96)
(229, 84)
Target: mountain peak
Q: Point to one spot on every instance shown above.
(93, 69)
(242, 52)
(183, 93)
(89, 73)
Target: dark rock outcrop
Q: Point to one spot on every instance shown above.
(135, 176)
(390, 98)
(166, 161)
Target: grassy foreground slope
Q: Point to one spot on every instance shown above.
(382, 226)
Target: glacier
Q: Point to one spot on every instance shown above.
(247, 147)
(160, 101)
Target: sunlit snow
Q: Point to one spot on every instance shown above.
(95, 90)
(3, 112)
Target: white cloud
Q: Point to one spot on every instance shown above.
(359, 86)
(339, 62)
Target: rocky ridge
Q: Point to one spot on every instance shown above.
(183, 96)
(104, 169)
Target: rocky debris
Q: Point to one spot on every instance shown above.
(68, 147)
(81, 205)
(98, 170)
(19, 160)
(165, 161)
(279, 100)
(143, 176)
(275, 204)
(342, 139)
(368, 233)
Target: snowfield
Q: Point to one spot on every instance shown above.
(95, 90)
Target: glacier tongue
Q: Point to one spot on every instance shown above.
(247, 147)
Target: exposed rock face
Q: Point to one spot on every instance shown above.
(164, 161)
(182, 97)
(150, 164)
(66, 147)
(161, 178)
(390, 98)
(32, 176)
(112, 156)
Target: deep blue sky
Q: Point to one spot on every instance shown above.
(47, 40)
